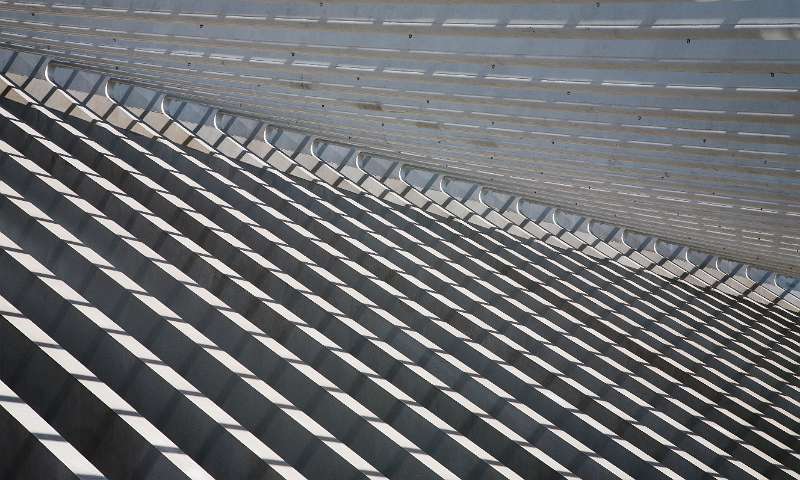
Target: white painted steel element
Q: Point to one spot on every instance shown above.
(195, 291)
(189, 292)
(674, 118)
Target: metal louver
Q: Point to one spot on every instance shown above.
(206, 273)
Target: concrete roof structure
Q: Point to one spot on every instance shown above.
(445, 239)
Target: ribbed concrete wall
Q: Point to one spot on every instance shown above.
(674, 118)
(218, 298)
